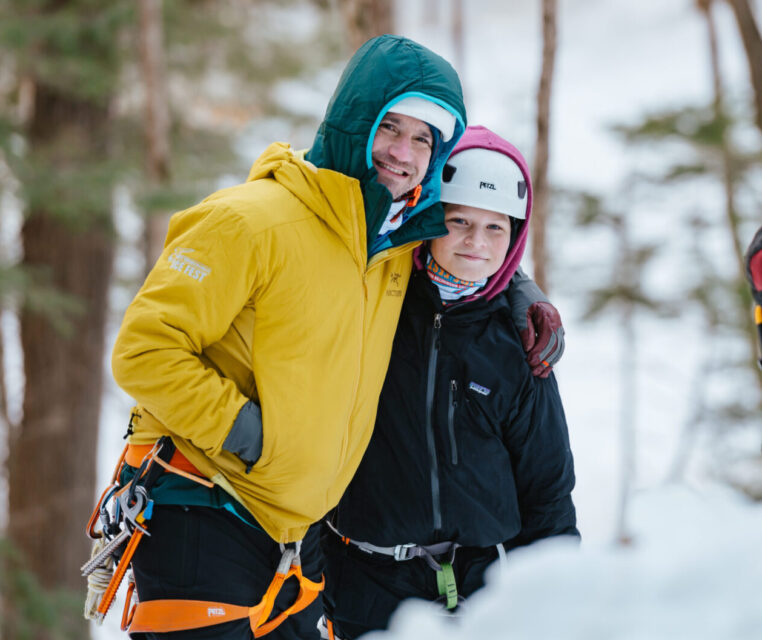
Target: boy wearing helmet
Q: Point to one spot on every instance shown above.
(470, 454)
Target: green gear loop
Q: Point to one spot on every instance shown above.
(446, 585)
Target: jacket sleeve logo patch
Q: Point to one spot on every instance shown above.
(179, 261)
(479, 388)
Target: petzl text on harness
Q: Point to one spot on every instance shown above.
(164, 616)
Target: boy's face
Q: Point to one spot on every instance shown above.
(401, 152)
(476, 244)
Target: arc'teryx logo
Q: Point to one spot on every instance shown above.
(179, 261)
(487, 185)
(394, 279)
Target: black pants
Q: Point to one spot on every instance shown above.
(363, 590)
(203, 553)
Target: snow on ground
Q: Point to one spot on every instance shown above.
(693, 571)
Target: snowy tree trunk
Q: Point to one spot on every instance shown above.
(542, 148)
(458, 40)
(732, 220)
(752, 43)
(628, 401)
(52, 464)
(67, 241)
(156, 123)
(365, 19)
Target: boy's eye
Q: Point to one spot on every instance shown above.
(456, 220)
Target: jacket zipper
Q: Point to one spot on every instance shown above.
(451, 420)
(430, 380)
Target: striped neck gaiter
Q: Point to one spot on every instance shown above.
(450, 287)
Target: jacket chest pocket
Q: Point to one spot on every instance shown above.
(480, 412)
(472, 416)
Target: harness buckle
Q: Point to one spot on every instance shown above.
(401, 551)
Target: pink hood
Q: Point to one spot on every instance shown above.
(477, 137)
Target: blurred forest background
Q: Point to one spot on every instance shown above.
(114, 115)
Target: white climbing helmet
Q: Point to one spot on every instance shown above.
(485, 179)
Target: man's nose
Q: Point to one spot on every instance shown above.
(401, 150)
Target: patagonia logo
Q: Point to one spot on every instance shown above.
(479, 388)
(487, 185)
(179, 261)
(215, 612)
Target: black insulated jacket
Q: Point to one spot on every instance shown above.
(468, 446)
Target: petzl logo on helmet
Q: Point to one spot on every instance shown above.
(487, 185)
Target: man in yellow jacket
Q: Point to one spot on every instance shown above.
(260, 340)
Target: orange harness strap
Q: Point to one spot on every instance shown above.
(179, 464)
(164, 616)
(134, 454)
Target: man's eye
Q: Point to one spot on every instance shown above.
(425, 141)
(388, 126)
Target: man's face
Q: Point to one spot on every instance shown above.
(476, 243)
(401, 152)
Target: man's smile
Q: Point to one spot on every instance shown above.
(387, 167)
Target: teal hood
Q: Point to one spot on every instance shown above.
(385, 70)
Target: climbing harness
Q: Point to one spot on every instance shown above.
(446, 585)
(124, 513)
(163, 616)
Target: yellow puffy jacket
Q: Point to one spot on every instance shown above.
(267, 281)
(265, 292)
